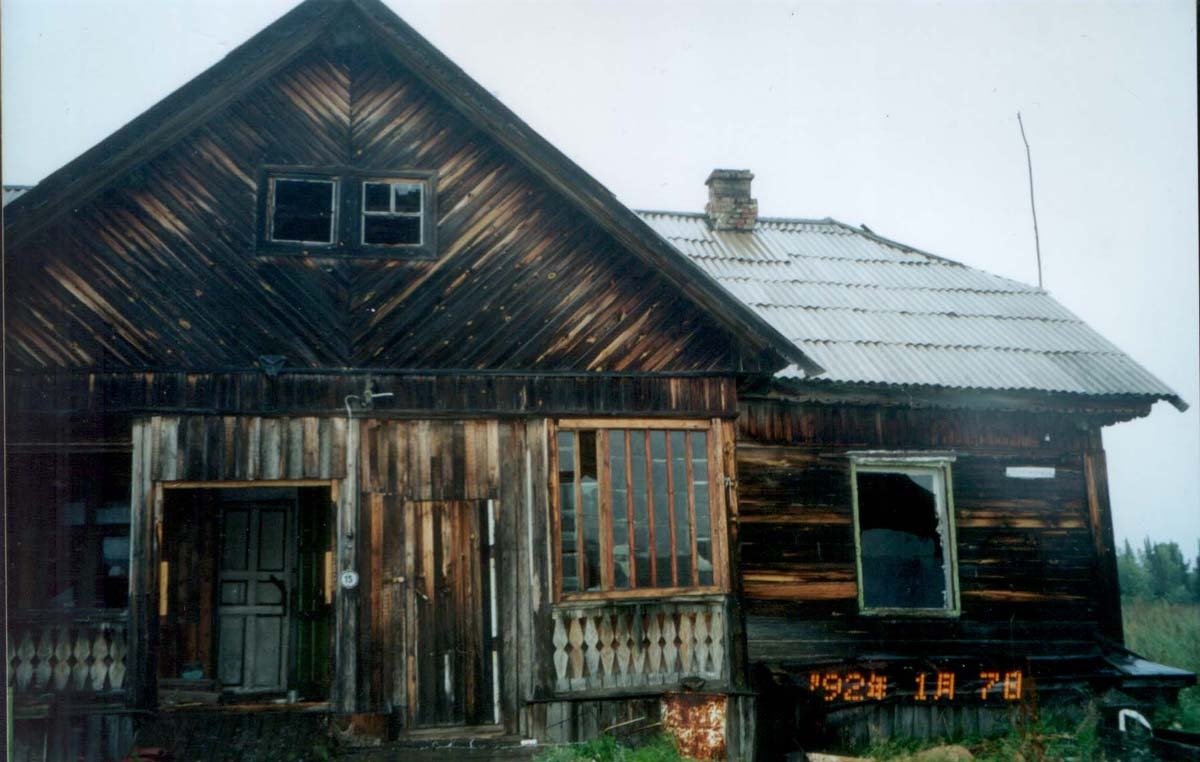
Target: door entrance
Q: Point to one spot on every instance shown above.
(246, 591)
(254, 589)
(439, 563)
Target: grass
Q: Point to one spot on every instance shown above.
(1168, 633)
(1049, 735)
(607, 749)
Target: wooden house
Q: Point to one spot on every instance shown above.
(334, 389)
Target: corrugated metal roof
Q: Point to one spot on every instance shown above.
(869, 310)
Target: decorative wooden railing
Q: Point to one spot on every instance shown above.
(80, 653)
(638, 644)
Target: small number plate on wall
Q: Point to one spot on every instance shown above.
(349, 579)
(1029, 472)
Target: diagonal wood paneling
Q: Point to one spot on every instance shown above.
(161, 270)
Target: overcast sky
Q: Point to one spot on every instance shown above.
(901, 116)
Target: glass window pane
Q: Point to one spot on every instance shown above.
(408, 197)
(377, 197)
(566, 503)
(302, 211)
(113, 514)
(641, 508)
(115, 552)
(620, 508)
(381, 230)
(589, 509)
(699, 442)
(682, 519)
(900, 541)
(662, 508)
(235, 541)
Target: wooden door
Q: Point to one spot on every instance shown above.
(436, 555)
(254, 588)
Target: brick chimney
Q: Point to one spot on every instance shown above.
(729, 204)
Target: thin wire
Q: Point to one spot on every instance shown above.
(1033, 207)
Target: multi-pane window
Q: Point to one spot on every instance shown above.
(635, 509)
(68, 520)
(904, 531)
(344, 212)
(392, 213)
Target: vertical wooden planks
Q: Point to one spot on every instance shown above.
(537, 497)
(168, 466)
(410, 543)
(512, 573)
(140, 684)
(345, 550)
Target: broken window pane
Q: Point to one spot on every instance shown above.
(903, 539)
(302, 210)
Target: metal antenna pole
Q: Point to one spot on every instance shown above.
(1032, 206)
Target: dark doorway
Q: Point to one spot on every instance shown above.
(246, 608)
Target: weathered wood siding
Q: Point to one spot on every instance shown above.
(64, 408)
(378, 472)
(148, 273)
(1027, 549)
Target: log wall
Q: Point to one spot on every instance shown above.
(1028, 551)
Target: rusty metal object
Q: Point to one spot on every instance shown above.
(697, 722)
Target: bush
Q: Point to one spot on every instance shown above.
(1168, 633)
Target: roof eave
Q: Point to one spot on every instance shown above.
(1112, 407)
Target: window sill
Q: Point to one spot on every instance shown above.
(266, 251)
(635, 597)
(912, 613)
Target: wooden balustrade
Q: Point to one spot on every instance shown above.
(80, 653)
(642, 644)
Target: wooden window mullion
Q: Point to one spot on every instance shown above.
(603, 488)
(691, 500)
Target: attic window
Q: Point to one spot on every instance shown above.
(344, 212)
(904, 534)
(392, 213)
(303, 210)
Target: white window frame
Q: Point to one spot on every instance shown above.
(939, 466)
(363, 213)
